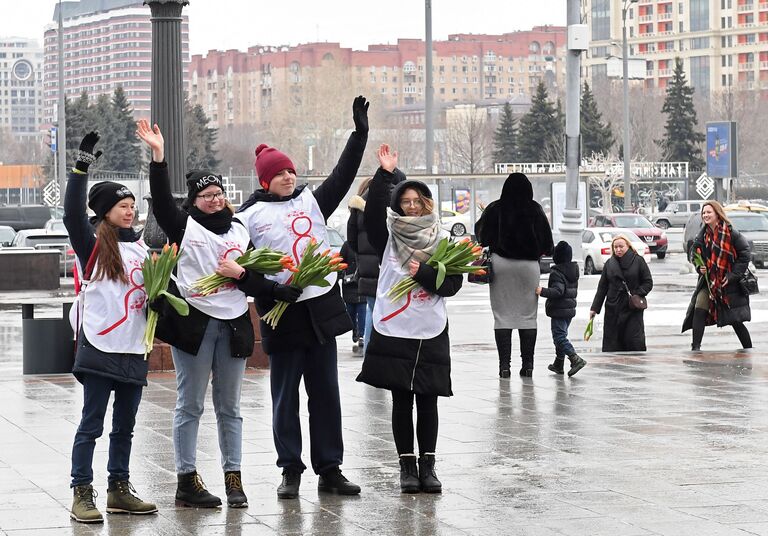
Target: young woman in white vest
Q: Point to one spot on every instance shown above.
(285, 217)
(409, 352)
(216, 338)
(109, 319)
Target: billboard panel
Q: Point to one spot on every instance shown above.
(721, 149)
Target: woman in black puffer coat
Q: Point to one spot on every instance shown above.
(624, 330)
(409, 352)
(726, 255)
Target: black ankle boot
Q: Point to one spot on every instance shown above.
(427, 475)
(557, 365)
(233, 484)
(527, 369)
(191, 491)
(577, 363)
(409, 475)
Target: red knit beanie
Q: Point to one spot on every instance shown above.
(270, 162)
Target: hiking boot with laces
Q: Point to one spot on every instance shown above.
(577, 363)
(122, 499)
(333, 481)
(83, 506)
(191, 492)
(289, 487)
(234, 485)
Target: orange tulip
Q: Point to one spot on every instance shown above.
(481, 272)
(325, 253)
(154, 257)
(165, 247)
(335, 261)
(342, 266)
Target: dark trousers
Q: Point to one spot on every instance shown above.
(96, 392)
(402, 421)
(356, 312)
(563, 346)
(317, 365)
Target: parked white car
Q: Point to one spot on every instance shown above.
(456, 223)
(596, 247)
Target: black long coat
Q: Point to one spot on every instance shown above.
(624, 329)
(738, 309)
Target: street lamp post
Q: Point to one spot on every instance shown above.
(625, 71)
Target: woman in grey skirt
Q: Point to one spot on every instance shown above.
(517, 232)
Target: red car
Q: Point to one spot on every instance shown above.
(655, 238)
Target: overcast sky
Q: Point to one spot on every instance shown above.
(223, 24)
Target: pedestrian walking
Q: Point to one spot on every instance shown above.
(560, 306)
(286, 218)
(409, 352)
(110, 319)
(213, 342)
(625, 274)
(517, 232)
(354, 301)
(719, 298)
(367, 259)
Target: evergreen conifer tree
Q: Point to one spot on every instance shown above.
(538, 128)
(596, 137)
(505, 137)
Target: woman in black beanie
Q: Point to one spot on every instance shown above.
(517, 232)
(217, 336)
(409, 352)
(109, 319)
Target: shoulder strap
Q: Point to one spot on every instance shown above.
(88, 270)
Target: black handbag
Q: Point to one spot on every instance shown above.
(485, 262)
(748, 283)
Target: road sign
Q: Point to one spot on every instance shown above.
(54, 133)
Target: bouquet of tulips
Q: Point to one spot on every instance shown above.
(450, 258)
(263, 260)
(157, 272)
(313, 269)
(698, 262)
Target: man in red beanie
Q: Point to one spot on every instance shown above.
(286, 218)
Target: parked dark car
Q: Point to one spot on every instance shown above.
(654, 238)
(24, 216)
(752, 225)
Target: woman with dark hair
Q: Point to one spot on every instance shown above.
(624, 273)
(409, 352)
(110, 323)
(215, 339)
(517, 232)
(718, 298)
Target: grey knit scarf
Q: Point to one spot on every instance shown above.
(413, 237)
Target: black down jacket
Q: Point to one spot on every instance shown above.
(561, 290)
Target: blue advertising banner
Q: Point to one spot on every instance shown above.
(721, 149)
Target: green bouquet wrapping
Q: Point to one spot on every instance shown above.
(156, 271)
(450, 258)
(263, 260)
(590, 330)
(698, 262)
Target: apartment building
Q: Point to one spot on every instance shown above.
(237, 87)
(21, 84)
(107, 43)
(723, 43)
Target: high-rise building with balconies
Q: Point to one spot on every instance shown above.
(107, 43)
(21, 84)
(723, 43)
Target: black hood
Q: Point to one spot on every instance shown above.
(569, 269)
(402, 187)
(517, 190)
(264, 196)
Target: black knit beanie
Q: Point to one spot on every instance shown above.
(563, 253)
(105, 195)
(197, 181)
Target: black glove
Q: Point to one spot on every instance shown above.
(85, 155)
(286, 293)
(158, 304)
(360, 114)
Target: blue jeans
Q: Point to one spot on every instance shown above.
(369, 303)
(214, 358)
(96, 392)
(356, 312)
(317, 365)
(563, 346)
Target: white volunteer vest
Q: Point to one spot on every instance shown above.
(288, 226)
(418, 315)
(202, 252)
(114, 313)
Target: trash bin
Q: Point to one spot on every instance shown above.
(49, 346)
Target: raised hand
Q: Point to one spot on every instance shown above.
(360, 114)
(85, 154)
(387, 159)
(153, 138)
